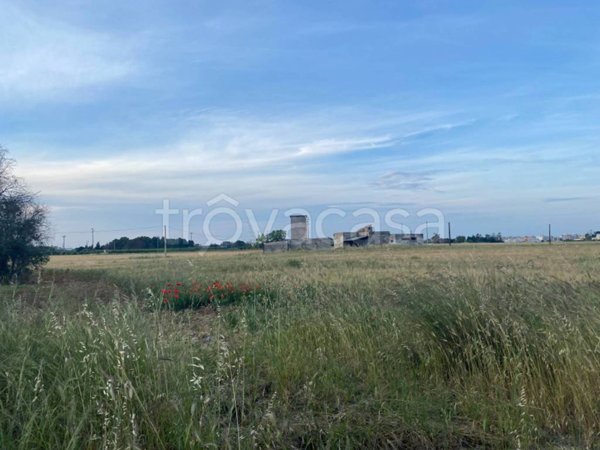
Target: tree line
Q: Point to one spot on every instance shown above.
(494, 238)
(146, 243)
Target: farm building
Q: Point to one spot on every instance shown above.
(365, 237)
(299, 239)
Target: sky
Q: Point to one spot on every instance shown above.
(486, 112)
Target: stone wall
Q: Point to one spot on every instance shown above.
(298, 244)
(273, 247)
(407, 239)
(379, 238)
(311, 244)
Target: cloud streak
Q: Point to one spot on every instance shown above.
(270, 159)
(220, 146)
(404, 181)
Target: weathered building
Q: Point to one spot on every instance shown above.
(299, 239)
(406, 238)
(295, 244)
(299, 228)
(365, 237)
(277, 246)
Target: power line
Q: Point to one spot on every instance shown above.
(94, 232)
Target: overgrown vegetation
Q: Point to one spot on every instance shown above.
(22, 226)
(474, 346)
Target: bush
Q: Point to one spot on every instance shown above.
(22, 226)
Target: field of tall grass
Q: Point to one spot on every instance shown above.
(474, 346)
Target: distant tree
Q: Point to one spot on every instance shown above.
(276, 235)
(123, 243)
(146, 243)
(590, 235)
(23, 225)
(139, 243)
(240, 244)
(97, 247)
(460, 239)
(488, 238)
(260, 241)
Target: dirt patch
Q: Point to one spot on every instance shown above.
(201, 324)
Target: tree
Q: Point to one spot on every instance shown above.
(241, 245)
(489, 238)
(276, 235)
(260, 240)
(23, 225)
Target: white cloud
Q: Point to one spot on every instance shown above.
(306, 161)
(332, 146)
(404, 181)
(223, 153)
(43, 59)
(295, 162)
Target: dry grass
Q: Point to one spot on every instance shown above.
(565, 261)
(488, 346)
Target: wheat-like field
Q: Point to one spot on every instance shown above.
(473, 346)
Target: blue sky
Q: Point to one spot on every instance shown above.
(487, 111)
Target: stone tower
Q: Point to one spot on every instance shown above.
(299, 228)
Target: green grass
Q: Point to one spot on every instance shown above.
(471, 347)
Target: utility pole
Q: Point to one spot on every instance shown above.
(93, 238)
(64, 237)
(550, 234)
(427, 232)
(449, 234)
(165, 243)
(191, 235)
